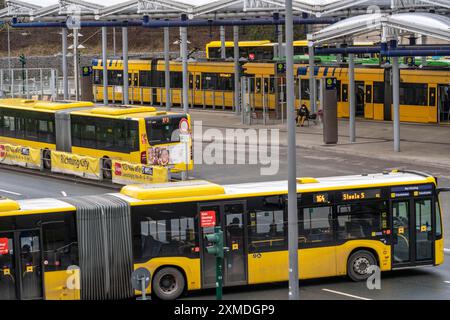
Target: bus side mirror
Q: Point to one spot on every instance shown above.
(439, 190)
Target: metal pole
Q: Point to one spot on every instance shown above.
(395, 100)
(64, 64)
(105, 66)
(167, 68)
(280, 40)
(9, 47)
(292, 172)
(223, 53)
(312, 80)
(76, 69)
(183, 32)
(352, 96)
(114, 42)
(125, 98)
(424, 42)
(236, 69)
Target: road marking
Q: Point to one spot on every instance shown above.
(64, 193)
(447, 281)
(346, 294)
(10, 192)
(446, 250)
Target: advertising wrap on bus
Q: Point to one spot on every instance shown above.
(20, 156)
(168, 155)
(131, 173)
(82, 166)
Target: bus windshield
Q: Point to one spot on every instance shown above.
(163, 129)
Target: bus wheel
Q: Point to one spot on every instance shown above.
(358, 265)
(107, 173)
(168, 284)
(47, 161)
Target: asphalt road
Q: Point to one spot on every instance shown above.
(424, 283)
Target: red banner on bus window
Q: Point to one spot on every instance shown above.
(4, 246)
(207, 219)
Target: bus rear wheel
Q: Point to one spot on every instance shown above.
(168, 284)
(47, 160)
(358, 265)
(107, 172)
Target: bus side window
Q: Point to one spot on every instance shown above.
(361, 220)
(432, 97)
(315, 224)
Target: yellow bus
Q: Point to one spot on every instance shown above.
(134, 134)
(346, 224)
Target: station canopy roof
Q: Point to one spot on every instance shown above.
(58, 10)
(389, 25)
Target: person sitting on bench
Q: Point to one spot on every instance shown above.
(302, 115)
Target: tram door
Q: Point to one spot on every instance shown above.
(21, 265)
(444, 103)
(412, 232)
(231, 217)
(359, 87)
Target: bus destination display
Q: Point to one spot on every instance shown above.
(361, 194)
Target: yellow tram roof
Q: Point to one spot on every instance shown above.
(48, 106)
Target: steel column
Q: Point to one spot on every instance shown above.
(167, 68)
(312, 81)
(352, 97)
(396, 102)
(236, 57)
(223, 49)
(76, 68)
(292, 169)
(105, 66)
(64, 64)
(183, 33)
(125, 98)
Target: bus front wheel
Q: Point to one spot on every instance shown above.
(168, 284)
(358, 265)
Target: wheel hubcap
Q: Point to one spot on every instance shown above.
(360, 265)
(168, 284)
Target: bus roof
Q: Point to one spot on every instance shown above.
(215, 44)
(199, 190)
(122, 112)
(45, 106)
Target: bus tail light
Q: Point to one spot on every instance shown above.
(144, 157)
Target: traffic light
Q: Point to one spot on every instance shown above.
(216, 239)
(22, 60)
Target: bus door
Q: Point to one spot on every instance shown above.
(412, 232)
(231, 217)
(21, 265)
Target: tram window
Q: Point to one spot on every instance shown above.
(176, 80)
(378, 92)
(344, 92)
(368, 94)
(361, 220)
(165, 230)
(60, 245)
(305, 89)
(98, 77)
(145, 78)
(315, 224)
(432, 97)
(209, 81)
(225, 82)
(115, 78)
(414, 94)
(214, 53)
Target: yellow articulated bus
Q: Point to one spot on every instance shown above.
(424, 93)
(49, 248)
(134, 134)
